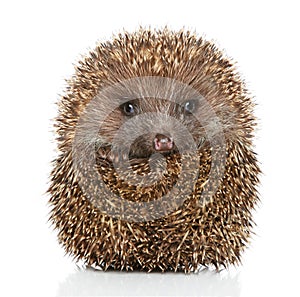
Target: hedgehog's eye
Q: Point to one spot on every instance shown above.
(189, 106)
(129, 108)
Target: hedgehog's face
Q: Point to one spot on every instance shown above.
(142, 127)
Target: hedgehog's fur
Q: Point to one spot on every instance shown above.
(213, 233)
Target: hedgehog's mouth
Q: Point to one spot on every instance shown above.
(118, 155)
(142, 149)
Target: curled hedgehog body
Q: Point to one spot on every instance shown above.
(156, 169)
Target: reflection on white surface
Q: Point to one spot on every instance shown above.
(90, 282)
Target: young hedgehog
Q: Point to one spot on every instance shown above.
(156, 169)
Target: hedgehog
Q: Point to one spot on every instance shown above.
(156, 168)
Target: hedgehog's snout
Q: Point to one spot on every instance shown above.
(163, 143)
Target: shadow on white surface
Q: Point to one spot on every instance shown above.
(90, 282)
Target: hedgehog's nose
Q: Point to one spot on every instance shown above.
(163, 143)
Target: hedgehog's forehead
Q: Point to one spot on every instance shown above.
(150, 102)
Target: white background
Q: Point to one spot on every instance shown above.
(40, 40)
